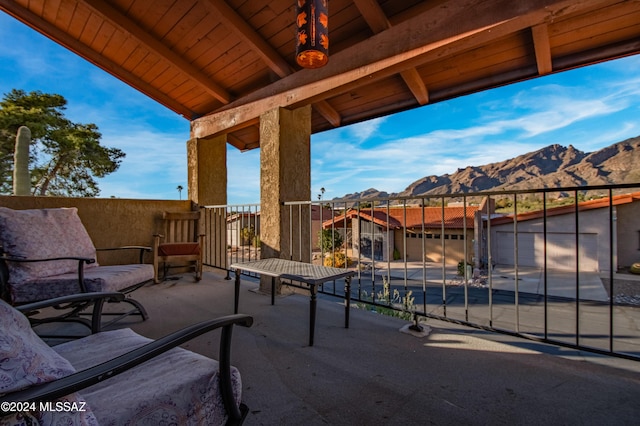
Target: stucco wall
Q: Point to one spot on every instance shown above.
(453, 245)
(561, 251)
(110, 222)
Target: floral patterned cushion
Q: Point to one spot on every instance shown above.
(25, 360)
(104, 278)
(42, 234)
(178, 387)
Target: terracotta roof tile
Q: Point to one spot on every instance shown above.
(412, 217)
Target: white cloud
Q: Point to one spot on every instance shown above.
(364, 130)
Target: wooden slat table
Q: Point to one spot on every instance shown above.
(312, 275)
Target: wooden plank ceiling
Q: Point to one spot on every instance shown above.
(221, 63)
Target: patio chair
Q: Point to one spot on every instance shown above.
(116, 377)
(47, 253)
(179, 243)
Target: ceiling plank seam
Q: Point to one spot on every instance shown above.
(378, 22)
(124, 23)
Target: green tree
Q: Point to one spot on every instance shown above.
(330, 240)
(65, 157)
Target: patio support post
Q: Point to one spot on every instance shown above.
(285, 175)
(207, 170)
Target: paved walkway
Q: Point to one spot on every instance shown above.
(529, 279)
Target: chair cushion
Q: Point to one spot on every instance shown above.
(25, 360)
(103, 278)
(179, 249)
(42, 234)
(178, 387)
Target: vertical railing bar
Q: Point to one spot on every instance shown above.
(404, 253)
(577, 238)
(373, 253)
(239, 212)
(611, 266)
(215, 247)
(211, 241)
(333, 246)
(545, 275)
(290, 231)
(515, 261)
(489, 261)
(444, 260)
(346, 241)
(258, 221)
(255, 244)
(359, 221)
(390, 244)
(424, 261)
(300, 232)
(206, 258)
(223, 214)
(466, 257)
(311, 229)
(216, 258)
(244, 222)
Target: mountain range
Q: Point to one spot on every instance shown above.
(550, 167)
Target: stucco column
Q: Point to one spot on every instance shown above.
(207, 170)
(285, 175)
(207, 184)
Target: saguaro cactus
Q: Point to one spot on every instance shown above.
(21, 177)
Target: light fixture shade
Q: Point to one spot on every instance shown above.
(312, 39)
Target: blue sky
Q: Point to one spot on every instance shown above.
(589, 108)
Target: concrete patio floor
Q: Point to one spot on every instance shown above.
(374, 374)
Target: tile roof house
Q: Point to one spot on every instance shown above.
(596, 248)
(432, 233)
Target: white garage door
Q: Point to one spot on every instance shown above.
(561, 250)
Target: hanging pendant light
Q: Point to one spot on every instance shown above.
(312, 40)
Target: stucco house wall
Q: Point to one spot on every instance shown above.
(432, 239)
(593, 242)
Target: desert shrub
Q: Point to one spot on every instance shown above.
(337, 260)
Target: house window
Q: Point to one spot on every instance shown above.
(454, 237)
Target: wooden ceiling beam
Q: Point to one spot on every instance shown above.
(269, 55)
(63, 38)
(236, 142)
(416, 85)
(121, 21)
(378, 22)
(373, 15)
(441, 32)
(238, 25)
(542, 47)
(328, 112)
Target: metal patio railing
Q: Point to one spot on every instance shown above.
(551, 264)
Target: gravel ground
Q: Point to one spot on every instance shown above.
(624, 291)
